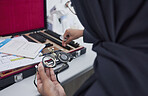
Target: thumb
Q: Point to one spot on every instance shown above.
(64, 43)
(66, 34)
(42, 73)
(68, 40)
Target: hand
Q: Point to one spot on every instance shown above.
(47, 83)
(71, 34)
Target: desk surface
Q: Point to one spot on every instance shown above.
(77, 67)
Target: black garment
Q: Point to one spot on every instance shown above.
(120, 29)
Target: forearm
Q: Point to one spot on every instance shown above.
(81, 33)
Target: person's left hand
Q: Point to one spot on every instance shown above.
(47, 83)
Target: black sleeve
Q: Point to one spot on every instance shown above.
(87, 37)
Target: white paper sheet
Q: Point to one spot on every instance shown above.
(21, 48)
(8, 62)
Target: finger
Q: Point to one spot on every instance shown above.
(42, 73)
(52, 75)
(66, 34)
(38, 76)
(38, 79)
(47, 72)
(68, 40)
(63, 43)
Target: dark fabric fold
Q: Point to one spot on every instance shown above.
(88, 38)
(121, 31)
(119, 70)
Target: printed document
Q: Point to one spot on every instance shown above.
(8, 62)
(21, 48)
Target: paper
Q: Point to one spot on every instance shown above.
(21, 48)
(8, 62)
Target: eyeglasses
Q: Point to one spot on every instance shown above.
(51, 60)
(68, 5)
(56, 71)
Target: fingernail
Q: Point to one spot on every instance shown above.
(40, 65)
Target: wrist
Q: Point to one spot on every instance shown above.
(81, 31)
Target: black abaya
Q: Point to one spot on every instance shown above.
(119, 29)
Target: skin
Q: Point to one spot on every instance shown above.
(71, 34)
(47, 83)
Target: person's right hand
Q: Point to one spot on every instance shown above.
(71, 34)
